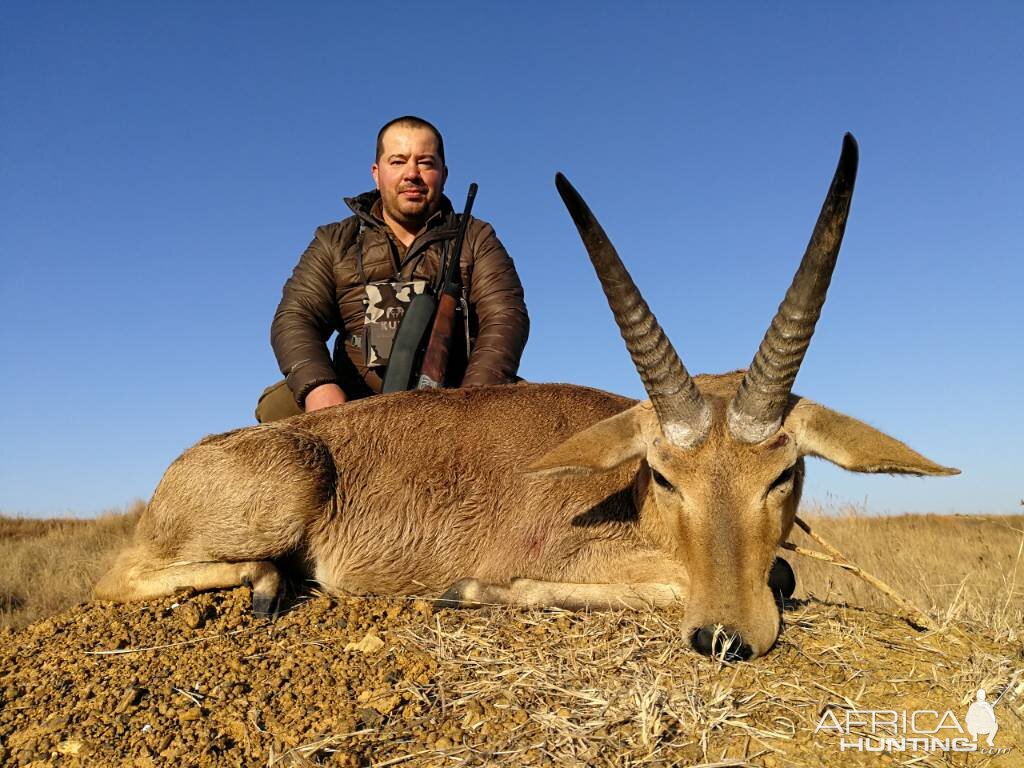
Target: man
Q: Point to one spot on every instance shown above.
(358, 274)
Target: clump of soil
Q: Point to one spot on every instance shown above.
(197, 680)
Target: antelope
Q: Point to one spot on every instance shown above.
(533, 494)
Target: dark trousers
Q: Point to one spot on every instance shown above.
(276, 402)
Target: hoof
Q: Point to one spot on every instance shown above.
(781, 579)
(266, 603)
(455, 596)
(267, 589)
(265, 606)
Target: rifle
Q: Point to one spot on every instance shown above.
(409, 339)
(435, 360)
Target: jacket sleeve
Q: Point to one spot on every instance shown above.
(496, 298)
(306, 318)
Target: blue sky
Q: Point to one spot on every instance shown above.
(164, 165)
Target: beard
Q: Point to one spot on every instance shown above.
(411, 214)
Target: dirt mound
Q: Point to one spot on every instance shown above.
(197, 680)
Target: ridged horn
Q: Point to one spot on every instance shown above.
(684, 416)
(756, 411)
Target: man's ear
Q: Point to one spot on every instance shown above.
(852, 444)
(602, 447)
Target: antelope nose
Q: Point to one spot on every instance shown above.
(712, 640)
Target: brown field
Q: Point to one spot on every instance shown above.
(49, 565)
(360, 681)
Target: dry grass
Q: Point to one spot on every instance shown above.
(964, 568)
(520, 688)
(49, 565)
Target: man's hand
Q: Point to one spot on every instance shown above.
(324, 396)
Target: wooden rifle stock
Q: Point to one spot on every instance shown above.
(435, 359)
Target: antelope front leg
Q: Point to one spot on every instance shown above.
(554, 594)
(137, 575)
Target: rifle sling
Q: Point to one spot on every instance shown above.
(416, 323)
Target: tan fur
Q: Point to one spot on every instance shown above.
(534, 494)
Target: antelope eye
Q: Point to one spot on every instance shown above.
(661, 480)
(784, 478)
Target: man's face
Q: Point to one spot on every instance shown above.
(410, 175)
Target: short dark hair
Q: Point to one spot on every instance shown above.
(409, 121)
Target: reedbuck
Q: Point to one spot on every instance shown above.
(533, 494)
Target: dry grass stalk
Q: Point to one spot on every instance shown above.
(192, 641)
(837, 558)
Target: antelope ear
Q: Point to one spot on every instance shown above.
(852, 444)
(601, 447)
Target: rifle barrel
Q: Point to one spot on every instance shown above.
(435, 359)
(453, 277)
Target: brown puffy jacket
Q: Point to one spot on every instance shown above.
(326, 294)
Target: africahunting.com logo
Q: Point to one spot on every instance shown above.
(926, 730)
